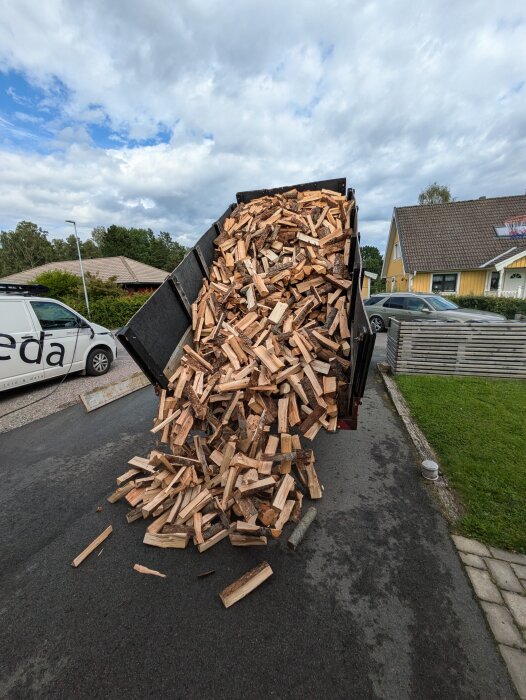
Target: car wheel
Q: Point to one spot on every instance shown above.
(377, 324)
(98, 362)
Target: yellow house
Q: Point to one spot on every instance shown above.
(473, 247)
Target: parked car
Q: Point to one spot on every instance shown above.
(42, 338)
(411, 306)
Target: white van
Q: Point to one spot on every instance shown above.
(43, 338)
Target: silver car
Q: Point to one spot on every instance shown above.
(410, 306)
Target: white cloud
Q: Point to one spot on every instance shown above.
(393, 95)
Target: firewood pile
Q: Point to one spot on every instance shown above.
(269, 363)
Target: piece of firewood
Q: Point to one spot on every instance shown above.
(145, 570)
(92, 546)
(172, 541)
(245, 584)
(283, 491)
(301, 529)
(283, 420)
(254, 487)
(285, 514)
(213, 540)
(238, 540)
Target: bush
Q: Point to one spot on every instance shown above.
(61, 284)
(111, 312)
(109, 304)
(499, 305)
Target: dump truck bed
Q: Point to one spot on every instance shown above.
(155, 335)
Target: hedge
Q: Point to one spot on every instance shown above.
(499, 305)
(111, 312)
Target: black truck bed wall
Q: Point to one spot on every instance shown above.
(154, 335)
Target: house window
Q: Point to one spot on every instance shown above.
(444, 283)
(396, 251)
(494, 281)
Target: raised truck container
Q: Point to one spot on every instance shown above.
(156, 334)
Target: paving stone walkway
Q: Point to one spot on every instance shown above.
(499, 581)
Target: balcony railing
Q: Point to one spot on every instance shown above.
(519, 293)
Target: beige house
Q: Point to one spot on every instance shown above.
(473, 247)
(130, 274)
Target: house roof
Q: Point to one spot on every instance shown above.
(125, 270)
(457, 235)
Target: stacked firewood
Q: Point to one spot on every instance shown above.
(270, 361)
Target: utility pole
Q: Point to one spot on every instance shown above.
(68, 221)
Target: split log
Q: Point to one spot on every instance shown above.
(246, 584)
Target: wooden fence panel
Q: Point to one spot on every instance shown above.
(480, 349)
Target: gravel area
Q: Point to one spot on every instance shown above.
(66, 395)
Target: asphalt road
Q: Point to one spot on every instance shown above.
(374, 604)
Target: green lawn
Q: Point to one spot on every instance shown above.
(478, 429)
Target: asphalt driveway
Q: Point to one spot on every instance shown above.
(375, 603)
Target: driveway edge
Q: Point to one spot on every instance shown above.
(495, 575)
(448, 501)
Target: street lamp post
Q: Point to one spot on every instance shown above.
(68, 221)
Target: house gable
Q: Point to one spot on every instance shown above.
(393, 266)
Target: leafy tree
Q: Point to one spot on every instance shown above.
(140, 244)
(133, 242)
(25, 247)
(372, 259)
(66, 249)
(435, 194)
(89, 249)
(97, 234)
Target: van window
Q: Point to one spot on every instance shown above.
(14, 317)
(53, 316)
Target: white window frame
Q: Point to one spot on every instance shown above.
(397, 253)
(447, 272)
(487, 287)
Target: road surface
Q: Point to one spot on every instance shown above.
(374, 604)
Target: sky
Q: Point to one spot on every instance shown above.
(154, 114)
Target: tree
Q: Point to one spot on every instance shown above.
(140, 244)
(89, 249)
(372, 261)
(25, 247)
(97, 234)
(67, 249)
(435, 194)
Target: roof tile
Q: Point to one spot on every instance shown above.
(456, 235)
(126, 270)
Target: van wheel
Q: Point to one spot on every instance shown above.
(377, 324)
(98, 362)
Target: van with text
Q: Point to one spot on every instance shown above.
(43, 338)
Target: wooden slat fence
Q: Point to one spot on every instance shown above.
(481, 349)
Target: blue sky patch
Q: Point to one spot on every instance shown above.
(36, 119)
